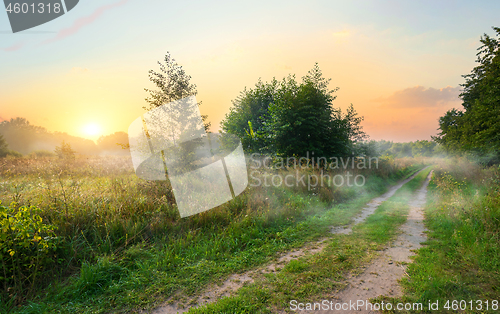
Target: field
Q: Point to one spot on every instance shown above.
(249, 158)
(460, 262)
(91, 237)
(86, 235)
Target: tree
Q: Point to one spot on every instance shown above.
(302, 119)
(4, 147)
(21, 135)
(477, 128)
(451, 126)
(113, 143)
(65, 151)
(25, 138)
(423, 148)
(249, 113)
(173, 84)
(288, 118)
(372, 148)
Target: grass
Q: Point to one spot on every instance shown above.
(123, 246)
(461, 258)
(315, 277)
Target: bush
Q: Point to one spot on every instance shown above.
(26, 246)
(65, 151)
(41, 153)
(13, 153)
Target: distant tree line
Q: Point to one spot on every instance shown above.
(423, 148)
(475, 130)
(289, 118)
(19, 137)
(4, 148)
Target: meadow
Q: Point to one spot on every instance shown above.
(460, 262)
(319, 276)
(86, 235)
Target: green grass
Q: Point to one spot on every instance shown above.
(461, 258)
(124, 248)
(315, 277)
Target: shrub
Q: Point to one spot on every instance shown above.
(65, 151)
(13, 153)
(41, 153)
(26, 245)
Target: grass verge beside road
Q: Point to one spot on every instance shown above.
(313, 278)
(459, 267)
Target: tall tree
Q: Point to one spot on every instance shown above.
(477, 128)
(303, 119)
(291, 119)
(173, 84)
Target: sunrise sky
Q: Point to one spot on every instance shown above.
(398, 62)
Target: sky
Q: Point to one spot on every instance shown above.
(400, 63)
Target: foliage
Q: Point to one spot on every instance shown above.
(477, 128)
(173, 84)
(249, 113)
(14, 154)
(291, 119)
(25, 138)
(26, 247)
(113, 143)
(4, 147)
(423, 148)
(41, 153)
(461, 258)
(65, 151)
(5, 151)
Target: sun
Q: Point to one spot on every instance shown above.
(92, 129)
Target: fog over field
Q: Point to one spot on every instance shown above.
(227, 157)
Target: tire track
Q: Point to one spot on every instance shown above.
(215, 292)
(382, 275)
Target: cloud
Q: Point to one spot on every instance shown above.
(14, 47)
(81, 22)
(419, 97)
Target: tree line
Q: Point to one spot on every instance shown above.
(475, 130)
(421, 148)
(282, 118)
(19, 137)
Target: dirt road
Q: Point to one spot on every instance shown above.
(379, 278)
